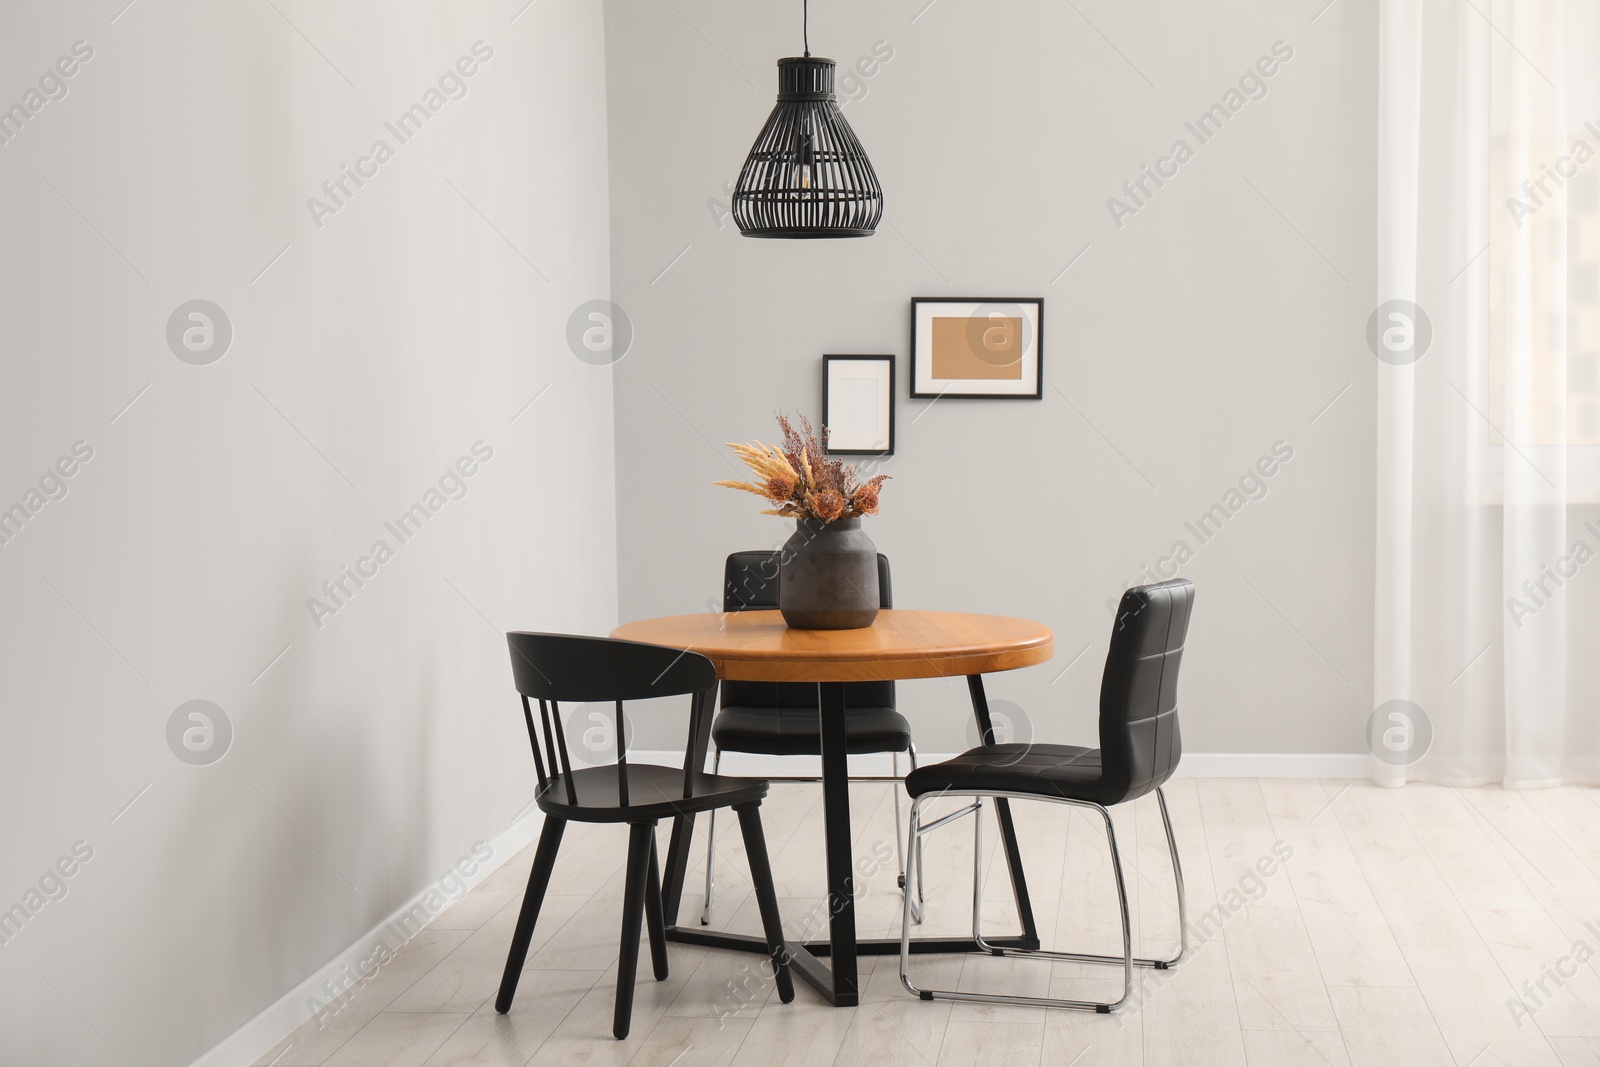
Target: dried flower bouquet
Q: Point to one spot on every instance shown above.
(802, 481)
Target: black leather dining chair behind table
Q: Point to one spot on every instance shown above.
(781, 718)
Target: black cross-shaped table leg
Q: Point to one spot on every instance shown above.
(839, 984)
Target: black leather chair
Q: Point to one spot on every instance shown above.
(551, 668)
(781, 718)
(1139, 749)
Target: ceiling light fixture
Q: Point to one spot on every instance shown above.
(807, 176)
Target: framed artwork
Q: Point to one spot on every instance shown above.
(977, 347)
(858, 405)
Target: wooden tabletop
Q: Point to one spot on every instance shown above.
(756, 646)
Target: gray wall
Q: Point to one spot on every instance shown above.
(363, 363)
(1220, 318)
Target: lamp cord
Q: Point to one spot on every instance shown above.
(805, 24)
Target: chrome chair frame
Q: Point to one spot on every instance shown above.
(901, 846)
(1127, 960)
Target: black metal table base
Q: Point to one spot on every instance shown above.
(837, 980)
(806, 957)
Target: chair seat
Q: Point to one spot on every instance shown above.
(797, 732)
(654, 793)
(1064, 771)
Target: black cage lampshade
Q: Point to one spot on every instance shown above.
(807, 176)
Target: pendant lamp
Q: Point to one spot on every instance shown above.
(807, 176)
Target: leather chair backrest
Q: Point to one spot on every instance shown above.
(1139, 740)
(750, 582)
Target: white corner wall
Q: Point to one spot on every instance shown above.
(1223, 316)
(371, 747)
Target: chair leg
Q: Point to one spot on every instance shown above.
(977, 868)
(915, 842)
(544, 861)
(914, 835)
(711, 846)
(638, 876)
(899, 848)
(755, 845)
(1127, 961)
(652, 915)
(1127, 926)
(1177, 877)
(895, 784)
(1086, 957)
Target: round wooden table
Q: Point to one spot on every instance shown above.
(757, 646)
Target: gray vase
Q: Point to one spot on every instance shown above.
(828, 576)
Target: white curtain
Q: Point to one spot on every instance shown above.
(1488, 550)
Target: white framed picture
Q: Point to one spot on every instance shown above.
(977, 347)
(858, 405)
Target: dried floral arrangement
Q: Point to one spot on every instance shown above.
(802, 481)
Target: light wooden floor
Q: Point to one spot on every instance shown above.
(1399, 931)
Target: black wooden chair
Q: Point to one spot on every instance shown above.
(551, 668)
(1139, 750)
(781, 718)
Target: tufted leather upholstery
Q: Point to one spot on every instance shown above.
(793, 731)
(780, 718)
(1139, 742)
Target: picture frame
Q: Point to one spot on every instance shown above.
(858, 402)
(988, 348)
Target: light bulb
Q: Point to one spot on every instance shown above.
(807, 158)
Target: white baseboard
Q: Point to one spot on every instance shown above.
(246, 1044)
(1275, 765)
(1193, 764)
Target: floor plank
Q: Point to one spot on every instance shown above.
(1383, 1027)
